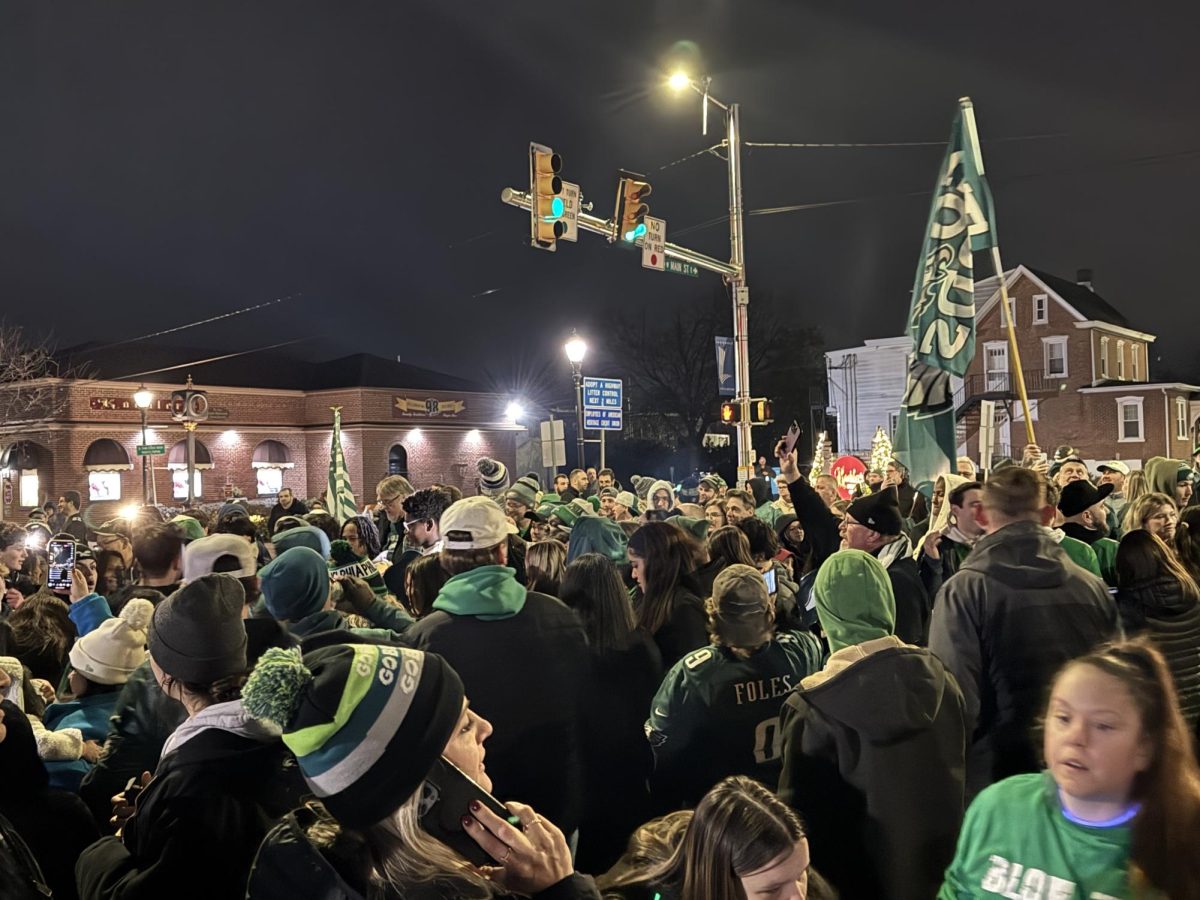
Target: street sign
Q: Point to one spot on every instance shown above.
(570, 216)
(151, 449)
(602, 419)
(654, 243)
(554, 446)
(679, 267)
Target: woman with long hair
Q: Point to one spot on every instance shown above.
(1117, 811)
(1157, 597)
(110, 572)
(667, 606)
(1152, 512)
(362, 535)
(1187, 541)
(423, 578)
(741, 842)
(544, 565)
(627, 668)
(727, 546)
(714, 512)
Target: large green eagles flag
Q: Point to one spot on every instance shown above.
(341, 495)
(942, 318)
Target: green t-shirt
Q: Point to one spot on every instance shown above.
(1016, 843)
(1081, 554)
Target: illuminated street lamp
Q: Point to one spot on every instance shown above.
(514, 412)
(576, 349)
(142, 399)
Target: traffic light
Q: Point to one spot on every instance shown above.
(760, 411)
(731, 413)
(546, 224)
(632, 214)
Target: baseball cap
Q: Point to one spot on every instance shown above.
(118, 527)
(200, 555)
(473, 523)
(1113, 465)
(740, 606)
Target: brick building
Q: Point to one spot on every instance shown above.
(1087, 374)
(269, 427)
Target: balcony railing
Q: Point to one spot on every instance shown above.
(1003, 385)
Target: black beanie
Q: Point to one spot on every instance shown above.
(197, 634)
(879, 512)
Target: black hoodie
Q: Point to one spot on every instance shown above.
(873, 760)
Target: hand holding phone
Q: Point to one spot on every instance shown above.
(793, 435)
(446, 799)
(62, 565)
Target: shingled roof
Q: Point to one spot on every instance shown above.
(1089, 304)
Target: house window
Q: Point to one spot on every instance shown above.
(1121, 360)
(1181, 411)
(1040, 304)
(270, 481)
(1134, 353)
(179, 484)
(104, 486)
(1054, 352)
(1129, 420)
(1103, 357)
(29, 488)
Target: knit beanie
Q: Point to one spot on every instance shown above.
(295, 584)
(629, 501)
(525, 491)
(344, 561)
(197, 634)
(712, 482)
(308, 536)
(854, 599)
(879, 511)
(595, 534)
(759, 490)
(110, 652)
(493, 477)
(740, 611)
(365, 722)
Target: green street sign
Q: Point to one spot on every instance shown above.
(679, 267)
(151, 449)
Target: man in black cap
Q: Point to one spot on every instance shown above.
(1085, 518)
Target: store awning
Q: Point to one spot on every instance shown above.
(22, 455)
(271, 455)
(177, 458)
(106, 455)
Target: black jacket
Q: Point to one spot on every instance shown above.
(297, 509)
(912, 601)
(819, 524)
(528, 675)
(197, 824)
(1017, 610)
(685, 630)
(873, 760)
(936, 572)
(1160, 610)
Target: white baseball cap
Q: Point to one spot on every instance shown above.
(473, 523)
(201, 554)
(1115, 465)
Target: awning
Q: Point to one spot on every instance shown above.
(21, 455)
(106, 455)
(271, 455)
(177, 458)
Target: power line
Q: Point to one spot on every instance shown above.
(211, 359)
(236, 312)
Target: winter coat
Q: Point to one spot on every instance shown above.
(936, 572)
(332, 620)
(685, 630)
(1015, 612)
(1160, 610)
(525, 668)
(912, 602)
(616, 757)
(90, 714)
(874, 761)
(54, 824)
(297, 509)
(211, 802)
(819, 524)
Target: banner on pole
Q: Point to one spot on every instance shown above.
(726, 376)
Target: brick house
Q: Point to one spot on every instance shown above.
(269, 427)
(1087, 375)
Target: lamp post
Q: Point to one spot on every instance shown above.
(576, 349)
(142, 398)
(737, 259)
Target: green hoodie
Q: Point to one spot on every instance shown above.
(1016, 842)
(1162, 474)
(854, 599)
(488, 593)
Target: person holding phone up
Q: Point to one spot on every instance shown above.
(388, 743)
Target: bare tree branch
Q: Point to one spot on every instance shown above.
(32, 388)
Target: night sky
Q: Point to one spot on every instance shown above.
(163, 162)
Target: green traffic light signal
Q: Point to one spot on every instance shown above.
(636, 233)
(556, 207)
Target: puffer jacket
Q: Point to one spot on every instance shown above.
(1160, 609)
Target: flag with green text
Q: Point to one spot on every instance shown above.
(942, 317)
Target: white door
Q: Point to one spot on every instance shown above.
(995, 366)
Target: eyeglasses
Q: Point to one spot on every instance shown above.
(388, 501)
(410, 524)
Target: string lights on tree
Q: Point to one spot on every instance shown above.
(881, 450)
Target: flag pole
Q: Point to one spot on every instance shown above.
(968, 110)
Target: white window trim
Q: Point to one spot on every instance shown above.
(1181, 417)
(1044, 300)
(1058, 339)
(1120, 360)
(1104, 356)
(1123, 402)
(1137, 369)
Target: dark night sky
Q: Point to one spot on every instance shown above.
(164, 161)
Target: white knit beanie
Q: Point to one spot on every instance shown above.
(110, 653)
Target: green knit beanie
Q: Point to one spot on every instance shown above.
(854, 599)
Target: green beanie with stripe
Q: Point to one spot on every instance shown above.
(366, 722)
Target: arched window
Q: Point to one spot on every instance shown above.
(270, 459)
(23, 460)
(177, 463)
(104, 461)
(398, 460)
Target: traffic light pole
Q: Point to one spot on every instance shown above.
(741, 293)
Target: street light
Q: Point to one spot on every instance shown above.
(514, 411)
(142, 399)
(737, 259)
(576, 349)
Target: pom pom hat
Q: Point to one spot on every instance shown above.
(109, 653)
(365, 722)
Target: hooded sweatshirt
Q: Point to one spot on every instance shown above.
(854, 599)
(660, 485)
(873, 758)
(488, 593)
(1162, 474)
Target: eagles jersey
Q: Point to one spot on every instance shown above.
(717, 714)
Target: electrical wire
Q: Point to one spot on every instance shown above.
(217, 318)
(211, 359)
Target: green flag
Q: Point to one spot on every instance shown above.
(942, 318)
(341, 495)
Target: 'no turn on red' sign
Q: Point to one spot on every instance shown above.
(654, 243)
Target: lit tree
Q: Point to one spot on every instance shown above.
(881, 450)
(822, 459)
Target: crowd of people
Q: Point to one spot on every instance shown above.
(976, 687)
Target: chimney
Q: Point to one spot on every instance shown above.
(1084, 277)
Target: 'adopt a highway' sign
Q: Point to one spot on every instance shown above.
(603, 403)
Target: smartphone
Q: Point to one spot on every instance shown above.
(769, 578)
(445, 798)
(789, 439)
(62, 564)
(133, 787)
